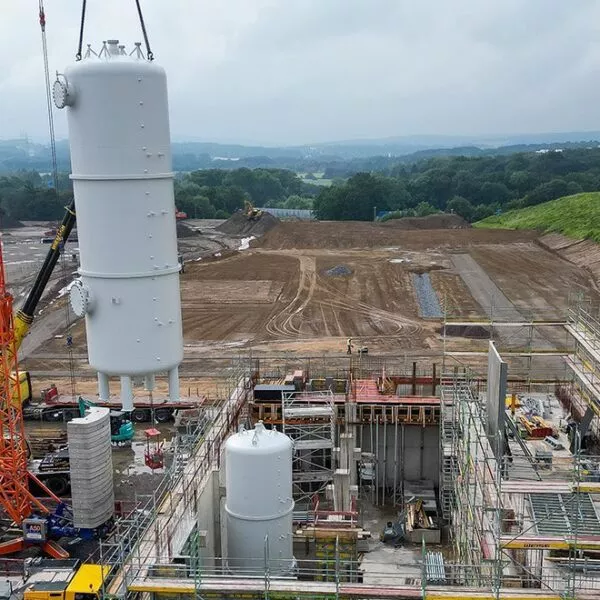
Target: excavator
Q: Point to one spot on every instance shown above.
(121, 427)
(252, 213)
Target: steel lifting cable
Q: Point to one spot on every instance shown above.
(55, 169)
(49, 97)
(149, 53)
(81, 26)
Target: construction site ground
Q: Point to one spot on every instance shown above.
(304, 288)
(301, 290)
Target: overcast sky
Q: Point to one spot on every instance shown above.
(301, 71)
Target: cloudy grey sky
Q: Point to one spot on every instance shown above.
(301, 71)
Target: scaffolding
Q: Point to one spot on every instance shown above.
(516, 521)
(583, 395)
(515, 524)
(533, 342)
(308, 418)
(165, 525)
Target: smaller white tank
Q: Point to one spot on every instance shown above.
(259, 503)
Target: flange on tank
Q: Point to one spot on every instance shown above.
(128, 290)
(259, 503)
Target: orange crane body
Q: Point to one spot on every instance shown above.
(15, 498)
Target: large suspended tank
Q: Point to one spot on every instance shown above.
(120, 144)
(259, 503)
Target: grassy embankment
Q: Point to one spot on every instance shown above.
(574, 216)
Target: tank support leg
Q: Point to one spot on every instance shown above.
(174, 384)
(150, 381)
(126, 393)
(103, 387)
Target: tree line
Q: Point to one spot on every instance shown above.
(473, 187)
(204, 194)
(215, 193)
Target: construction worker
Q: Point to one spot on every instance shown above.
(349, 346)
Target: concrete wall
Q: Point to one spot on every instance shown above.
(208, 514)
(417, 449)
(495, 398)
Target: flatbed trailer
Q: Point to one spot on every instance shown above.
(53, 471)
(66, 407)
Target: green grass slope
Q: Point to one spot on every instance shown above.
(574, 216)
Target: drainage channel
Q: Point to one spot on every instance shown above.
(429, 305)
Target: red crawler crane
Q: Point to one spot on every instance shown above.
(15, 498)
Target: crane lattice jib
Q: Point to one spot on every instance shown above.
(15, 499)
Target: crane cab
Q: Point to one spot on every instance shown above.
(22, 394)
(65, 580)
(87, 583)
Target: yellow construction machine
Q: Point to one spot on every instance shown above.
(252, 213)
(24, 316)
(64, 580)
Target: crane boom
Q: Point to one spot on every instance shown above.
(16, 501)
(25, 315)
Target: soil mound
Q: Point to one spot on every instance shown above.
(363, 234)
(183, 231)
(8, 222)
(439, 221)
(240, 224)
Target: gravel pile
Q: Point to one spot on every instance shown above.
(338, 271)
(8, 222)
(240, 224)
(429, 305)
(183, 231)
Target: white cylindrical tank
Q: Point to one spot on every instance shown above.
(118, 118)
(259, 503)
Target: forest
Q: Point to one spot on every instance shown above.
(473, 187)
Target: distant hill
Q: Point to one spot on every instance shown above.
(347, 157)
(575, 216)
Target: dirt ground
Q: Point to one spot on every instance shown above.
(373, 300)
(306, 287)
(355, 234)
(300, 291)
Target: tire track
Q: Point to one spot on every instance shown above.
(288, 322)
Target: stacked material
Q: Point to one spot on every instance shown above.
(42, 441)
(91, 468)
(416, 518)
(435, 571)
